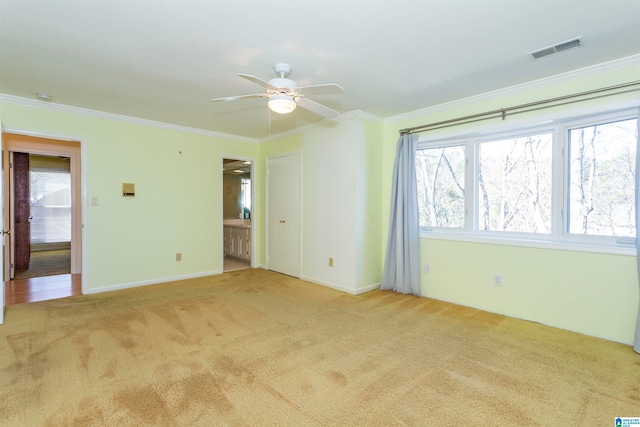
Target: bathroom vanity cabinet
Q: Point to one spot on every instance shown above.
(237, 241)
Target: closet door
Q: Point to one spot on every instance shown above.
(283, 214)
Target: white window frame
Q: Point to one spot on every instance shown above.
(445, 144)
(517, 133)
(559, 237)
(577, 238)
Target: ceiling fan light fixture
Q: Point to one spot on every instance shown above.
(281, 104)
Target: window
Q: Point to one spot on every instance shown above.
(514, 184)
(440, 176)
(569, 183)
(602, 164)
(50, 193)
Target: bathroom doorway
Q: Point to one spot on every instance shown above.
(237, 213)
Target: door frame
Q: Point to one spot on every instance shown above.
(17, 140)
(254, 187)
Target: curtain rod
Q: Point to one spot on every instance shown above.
(532, 106)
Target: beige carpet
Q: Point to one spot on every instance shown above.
(253, 347)
(46, 263)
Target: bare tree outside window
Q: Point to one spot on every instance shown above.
(602, 179)
(588, 171)
(440, 180)
(514, 184)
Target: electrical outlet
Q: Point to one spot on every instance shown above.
(178, 256)
(497, 279)
(427, 268)
(330, 262)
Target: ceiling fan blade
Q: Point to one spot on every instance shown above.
(233, 98)
(258, 81)
(327, 89)
(314, 107)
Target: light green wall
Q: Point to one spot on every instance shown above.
(594, 294)
(177, 207)
(590, 293)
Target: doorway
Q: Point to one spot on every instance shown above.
(237, 213)
(42, 211)
(41, 188)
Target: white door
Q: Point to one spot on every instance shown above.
(283, 214)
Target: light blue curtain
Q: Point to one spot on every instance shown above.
(636, 342)
(402, 261)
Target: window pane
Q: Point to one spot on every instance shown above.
(440, 178)
(602, 179)
(514, 184)
(50, 206)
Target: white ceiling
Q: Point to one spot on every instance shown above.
(165, 60)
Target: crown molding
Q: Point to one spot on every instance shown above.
(26, 102)
(359, 114)
(354, 114)
(605, 67)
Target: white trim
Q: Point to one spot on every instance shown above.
(536, 244)
(352, 291)
(369, 288)
(83, 188)
(119, 118)
(150, 282)
(26, 102)
(618, 64)
(48, 135)
(355, 114)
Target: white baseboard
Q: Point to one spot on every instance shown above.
(129, 285)
(351, 291)
(149, 282)
(368, 288)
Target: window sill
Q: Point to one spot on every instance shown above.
(628, 250)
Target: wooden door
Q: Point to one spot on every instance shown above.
(22, 213)
(3, 232)
(283, 223)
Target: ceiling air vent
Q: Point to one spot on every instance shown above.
(546, 51)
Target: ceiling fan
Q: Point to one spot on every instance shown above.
(284, 95)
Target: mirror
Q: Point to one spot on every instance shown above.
(236, 188)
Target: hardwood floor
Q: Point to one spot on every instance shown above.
(44, 288)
